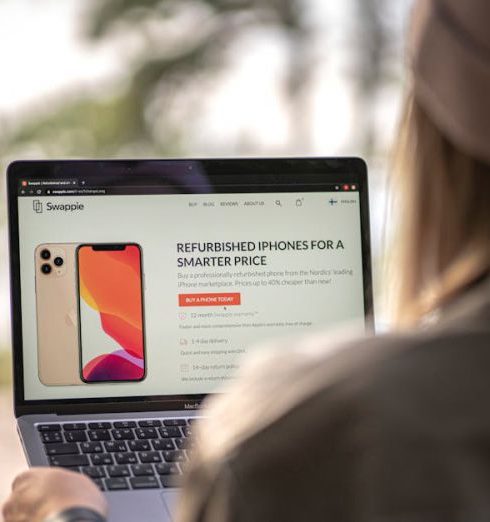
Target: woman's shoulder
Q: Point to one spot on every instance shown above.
(286, 379)
(296, 407)
(279, 377)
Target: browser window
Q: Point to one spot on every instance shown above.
(140, 291)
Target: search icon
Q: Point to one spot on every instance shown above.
(278, 203)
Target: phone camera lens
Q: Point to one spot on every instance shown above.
(45, 254)
(58, 261)
(45, 268)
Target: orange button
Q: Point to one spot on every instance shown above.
(231, 299)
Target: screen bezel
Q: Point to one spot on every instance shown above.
(247, 175)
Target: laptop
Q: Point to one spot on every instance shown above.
(138, 287)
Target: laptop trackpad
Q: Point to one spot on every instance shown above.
(141, 506)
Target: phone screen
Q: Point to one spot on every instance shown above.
(111, 323)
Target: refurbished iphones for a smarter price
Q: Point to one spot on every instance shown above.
(111, 317)
(57, 318)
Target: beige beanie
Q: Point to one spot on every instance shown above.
(450, 55)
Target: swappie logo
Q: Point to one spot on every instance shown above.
(37, 206)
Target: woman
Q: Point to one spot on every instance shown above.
(387, 428)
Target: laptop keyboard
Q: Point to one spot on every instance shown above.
(121, 455)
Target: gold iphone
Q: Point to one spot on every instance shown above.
(57, 314)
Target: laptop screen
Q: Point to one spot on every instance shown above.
(160, 282)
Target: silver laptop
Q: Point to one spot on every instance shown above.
(138, 287)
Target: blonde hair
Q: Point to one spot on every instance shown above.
(444, 234)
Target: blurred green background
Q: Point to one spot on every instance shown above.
(155, 78)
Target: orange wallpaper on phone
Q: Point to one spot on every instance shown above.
(110, 283)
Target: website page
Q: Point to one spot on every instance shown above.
(164, 294)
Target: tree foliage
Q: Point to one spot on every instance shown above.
(163, 61)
